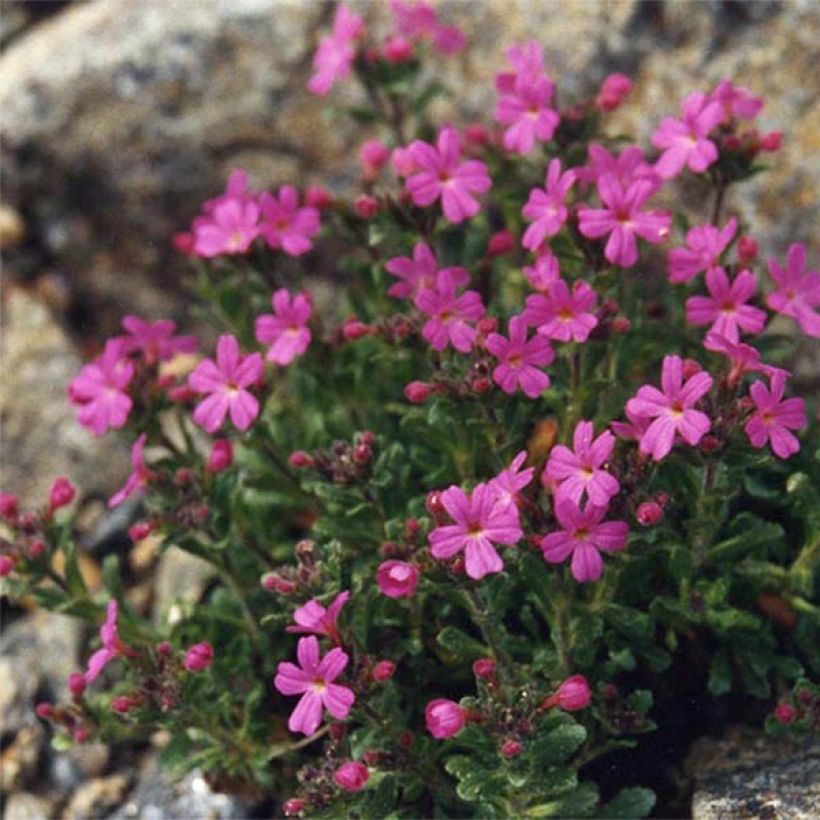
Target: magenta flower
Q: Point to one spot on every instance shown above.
(520, 360)
(313, 680)
(623, 220)
(228, 228)
(351, 776)
(199, 657)
(140, 474)
(510, 481)
(419, 273)
(578, 471)
(480, 522)
(526, 59)
(525, 110)
(562, 315)
(798, 290)
(571, 696)
(235, 188)
(314, 617)
(545, 207)
(633, 429)
(334, 56)
(111, 648)
(450, 314)
(286, 331)
(743, 358)
(774, 417)
(684, 141)
(726, 307)
(627, 167)
(99, 390)
(442, 174)
(397, 579)
(672, 410)
(285, 225)
(704, 246)
(226, 381)
(545, 273)
(737, 102)
(155, 340)
(418, 19)
(583, 535)
(444, 718)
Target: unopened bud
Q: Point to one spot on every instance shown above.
(383, 671)
(61, 494)
(484, 668)
(481, 385)
(501, 243)
(300, 459)
(649, 513)
(771, 141)
(511, 748)
(318, 197)
(366, 206)
(417, 392)
(785, 713)
(221, 456)
(139, 530)
(353, 329)
(76, 684)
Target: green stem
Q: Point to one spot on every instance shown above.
(488, 629)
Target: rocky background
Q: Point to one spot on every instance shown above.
(120, 116)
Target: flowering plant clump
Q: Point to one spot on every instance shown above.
(536, 468)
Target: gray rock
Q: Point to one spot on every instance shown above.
(749, 775)
(179, 582)
(27, 806)
(96, 798)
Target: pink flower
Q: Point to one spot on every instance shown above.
(584, 535)
(285, 225)
(99, 390)
(419, 273)
(199, 657)
(573, 694)
(228, 228)
(226, 381)
(632, 430)
(614, 89)
(704, 246)
(383, 671)
(351, 776)
(510, 481)
(313, 680)
(520, 360)
(627, 167)
(221, 456)
(480, 522)
(397, 579)
(6, 566)
(684, 141)
(623, 219)
(562, 315)
(313, 617)
(545, 273)
(546, 208)
(450, 314)
(111, 648)
(737, 102)
(419, 19)
(578, 471)
(527, 59)
(140, 474)
(525, 109)
(61, 494)
(672, 410)
(442, 174)
(155, 340)
(334, 57)
(286, 331)
(649, 513)
(744, 358)
(798, 291)
(726, 307)
(373, 156)
(444, 718)
(774, 416)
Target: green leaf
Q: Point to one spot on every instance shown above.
(720, 673)
(558, 745)
(580, 803)
(460, 644)
(629, 803)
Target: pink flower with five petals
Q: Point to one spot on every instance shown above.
(450, 314)
(334, 56)
(774, 417)
(520, 360)
(798, 290)
(155, 340)
(285, 225)
(704, 246)
(419, 273)
(726, 307)
(562, 315)
(321, 620)
(140, 474)
(545, 207)
(285, 330)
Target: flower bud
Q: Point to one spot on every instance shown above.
(299, 459)
(620, 325)
(416, 392)
(366, 206)
(613, 91)
(747, 250)
(785, 713)
(397, 579)
(406, 740)
(397, 49)
(362, 454)
(76, 684)
(691, 367)
(477, 134)
(373, 156)
(183, 241)
(804, 697)
(573, 694)
(336, 730)
(484, 668)
(181, 394)
(139, 530)
(8, 507)
(487, 325)
(80, 735)
(771, 141)
(44, 711)
(6, 566)
(163, 649)
(199, 657)
(36, 548)
(353, 329)
(444, 718)
(481, 385)
(351, 776)
(293, 807)
(61, 494)
(402, 162)
(411, 528)
(649, 513)
(123, 704)
(710, 444)
(501, 242)
(221, 456)
(318, 197)
(383, 671)
(511, 748)
(183, 477)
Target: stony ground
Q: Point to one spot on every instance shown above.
(121, 116)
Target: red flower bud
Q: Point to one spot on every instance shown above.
(621, 325)
(613, 91)
(573, 694)
(76, 684)
(318, 197)
(353, 329)
(8, 507)
(362, 454)
(336, 731)
(163, 649)
(487, 325)
(140, 530)
(434, 504)
(383, 671)
(299, 459)
(351, 776)
(709, 444)
(36, 547)
(366, 206)
(649, 513)
(373, 156)
(397, 49)
(44, 711)
(501, 242)
(411, 528)
(444, 718)
(477, 134)
(691, 367)
(61, 494)
(747, 250)
(293, 807)
(416, 392)
(80, 735)
(6, 566)
(221, 456)
(199, 657)
(785, 713)
(511, 748)
(484, 668)
(123, 704)
(481, 385)
(771, 141)
(183, 477)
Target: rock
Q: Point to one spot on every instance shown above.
(96, 798)
(27, 806)
(181, 579)
(41, 437)
(157, 797)
(20, 759)
(749, 775)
